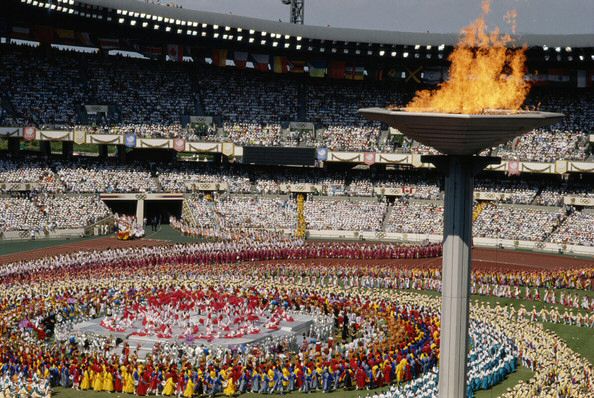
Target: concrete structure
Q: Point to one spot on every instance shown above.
(459, 137)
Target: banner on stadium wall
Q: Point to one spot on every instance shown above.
(79, 136)
(109, 139)
(240, 59)
(322, 154)
(394, 158)
(55, 135)
(92, 109)
(219, 57)
(207, 186)
(513, 168)
(575, 200)
(201, 119)
(228, 148)
(29, 133)
(280, 64)
(261, 62)
(491, 196)
(581, 167)
(130, 140)
(179, 144)
(398, 191)
(154, 143)
(296, 66)
(369, 158)
(10, 131)
(317, 68)
(336, 69)
(175, 52)
(301, 126)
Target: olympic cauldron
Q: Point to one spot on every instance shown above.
(459, 137)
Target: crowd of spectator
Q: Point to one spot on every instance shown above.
(253, 134)
(517, 222)
(578, 229)
(546, 146)
(180, 178)
(44, 212)
(516, 191)
(344, 214)
(415, 217)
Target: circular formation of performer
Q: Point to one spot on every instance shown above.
(232, 318)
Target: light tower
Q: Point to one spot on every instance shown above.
(459, 137)
(297, 10)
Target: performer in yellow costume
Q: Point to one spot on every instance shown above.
(128, 381)
(230, 390)
(169, 388)
(107, 380)
(85, 384)
(98, 382)
(189, 391)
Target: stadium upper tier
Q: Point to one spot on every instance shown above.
(155, 99)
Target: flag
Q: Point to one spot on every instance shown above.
(66, 36)
(109, 44)
(29, 133)
(240, 59)
(179, 144)
(317, 68)
(296, 66)
(130, 140)
(219, 57)
(336, 70)
(513, 168)
(85, 39)
(322, 154)
(43, 34)
(281, 64)
(369, 158)
(19, 32)
(175, 52)
(151, 52)
(261, 62)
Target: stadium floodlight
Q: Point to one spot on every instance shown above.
(154, 17)
(194, 33)
(215, 35)
(251, 40)
(558, 49)
(322, 49)
(144, 24)
(215, 27)
(381, 53)
(156, 27)
(298, 46)
(177, 22)
(346, 51)
(358, 52)
(179, 31)
(132, 22)
(405, 54)
(239, 30)
(71, 2)
(53, 7)
(118, 11)
(262, 42)
(204, 25)
(287, 37)
(568, 49)
(239, 38)
(167, 28)
(369, 52)
(441, 47)
(159, 19)
(142, 15)
(46, 5)
(393, 53)
(299, 38)
(252, 31)
(592, 57)
(121, 20)
(231, 37)
(203, 34)
(227, 28)
(225, 37)
(263, 34)
(57, 9)
(417, 46)
(428, 47)
(183, 23)
(333, 50)
(70, 11)
(545, 48)
(287, 45)
(35, 3)
(166, 20)
(274, 43)
(581, 57)
(189, 32)
(570, 58)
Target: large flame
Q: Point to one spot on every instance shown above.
(484, 74)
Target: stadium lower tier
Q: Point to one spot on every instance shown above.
(266, 317)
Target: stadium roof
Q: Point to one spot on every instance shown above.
(331, 33)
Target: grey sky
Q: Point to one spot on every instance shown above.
(437, 16)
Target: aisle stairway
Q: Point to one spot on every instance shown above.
(187, 214)
(386, 218)
(301, 223)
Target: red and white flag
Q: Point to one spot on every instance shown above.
(179, 144)
(29, 133)
(175, 52)
(513, 168)
(369, 158)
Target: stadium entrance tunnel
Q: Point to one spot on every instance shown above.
(127, 207)
(162, 210)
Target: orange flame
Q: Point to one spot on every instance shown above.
(484, 74)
